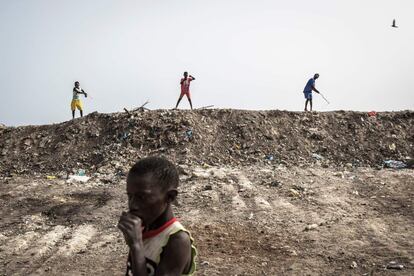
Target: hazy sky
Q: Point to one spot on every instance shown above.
(245, 54)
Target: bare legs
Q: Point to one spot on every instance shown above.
(306, 104)
(179, 100)
(73, 113)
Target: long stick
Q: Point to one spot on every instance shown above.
(324, 98)
(205, 107)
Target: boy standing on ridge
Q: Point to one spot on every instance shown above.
(310, 86)
(158, 243)
(185, 89)
(76, 102)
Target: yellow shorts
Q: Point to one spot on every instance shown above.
(76, 104)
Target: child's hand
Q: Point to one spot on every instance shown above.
(131, 227)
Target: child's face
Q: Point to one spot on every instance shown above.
(146, 199)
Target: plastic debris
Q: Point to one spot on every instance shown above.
(124, 136)
(81, 173)
(317, 156)
(394, 265)
(50, 177)
(189, 134)
(372, 114)
(78, 178)
(393, 164)
(294, 193)
(311, 227)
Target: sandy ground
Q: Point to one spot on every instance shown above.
(267, 220)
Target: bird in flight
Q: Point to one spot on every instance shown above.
(393, 24)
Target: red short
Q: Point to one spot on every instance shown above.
(185, 93)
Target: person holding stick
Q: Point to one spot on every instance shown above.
(185, 89)
(76, 102)
(307, 91)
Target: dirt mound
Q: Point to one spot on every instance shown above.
(103, 142)
(263, 193)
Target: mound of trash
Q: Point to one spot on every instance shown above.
(112, 142)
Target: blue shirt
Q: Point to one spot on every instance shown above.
(309, 85)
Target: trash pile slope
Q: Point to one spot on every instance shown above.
(100, 142)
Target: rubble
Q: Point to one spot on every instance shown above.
(208, 137)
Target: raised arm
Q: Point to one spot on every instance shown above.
(192, 78)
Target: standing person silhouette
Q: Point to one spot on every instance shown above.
(76, 102)
(185, 89)
(307, 91)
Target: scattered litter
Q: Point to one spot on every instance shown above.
(251, 216)
(372, 114)
(246, 137)
(311, 227)
(78, 178)
(393, 164)
(124, 136)
(392, 147)
(81, 173)
(275, 183)
(294, 193)
(317, 156)
(354, 265)
(394, 265)
(189, 134)
(339, 174)
(50, 177)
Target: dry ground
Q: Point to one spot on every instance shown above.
(260, 220)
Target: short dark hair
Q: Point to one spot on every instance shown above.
(163, 171)
(76, 82)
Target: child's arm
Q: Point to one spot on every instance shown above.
(80, 92)
(131, 227)
(176, 256)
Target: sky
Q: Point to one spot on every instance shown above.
(244, 54)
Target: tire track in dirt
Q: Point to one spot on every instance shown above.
(41, 249)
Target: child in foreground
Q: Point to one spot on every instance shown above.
(158, 243)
